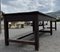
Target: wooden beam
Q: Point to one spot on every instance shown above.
(24, 42)
(50, 27)
(24, 36)
(36, 32)
(42, 30)
(55, 25)
(6, 32)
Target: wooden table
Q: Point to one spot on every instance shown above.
(33, 16)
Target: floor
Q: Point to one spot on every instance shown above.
(47, 43)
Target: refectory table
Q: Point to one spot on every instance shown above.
(33, 16)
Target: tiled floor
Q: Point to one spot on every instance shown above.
(47, 43)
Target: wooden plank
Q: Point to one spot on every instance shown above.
(28, 16)
(44, 31)
(23, 42)
(25, 36)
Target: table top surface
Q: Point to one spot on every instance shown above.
(30, 14)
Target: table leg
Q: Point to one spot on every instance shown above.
(55, 26)
(51, 27)
(6, 33)
(36, 34)
(43, 24)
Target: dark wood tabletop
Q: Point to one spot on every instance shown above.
(28, 16)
